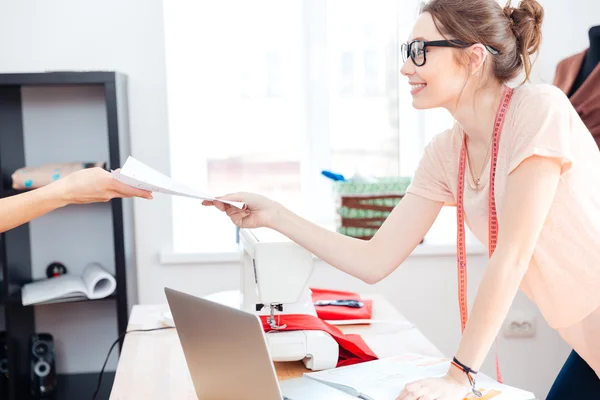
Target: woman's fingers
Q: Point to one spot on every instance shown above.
(231, 211)
(113, 194)
(238, 219)
(221, 206)
(411, 391)
(129, 191)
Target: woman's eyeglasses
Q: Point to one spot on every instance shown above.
(416, 49)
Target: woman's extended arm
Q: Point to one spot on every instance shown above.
(370, 260)
(84, 186)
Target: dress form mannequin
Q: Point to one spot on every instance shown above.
(578, 76)
(591, 59)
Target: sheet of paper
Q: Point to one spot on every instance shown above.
(137, 174)
(384, 379)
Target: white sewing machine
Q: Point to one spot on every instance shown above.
(275, 274)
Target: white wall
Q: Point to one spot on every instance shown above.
(128, 36)
(565, 32)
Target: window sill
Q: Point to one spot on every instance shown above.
(168, 257)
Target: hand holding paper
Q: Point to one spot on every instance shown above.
(136, 174)
(259, 211)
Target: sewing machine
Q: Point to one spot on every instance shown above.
(274, 282)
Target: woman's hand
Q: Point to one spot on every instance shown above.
(445, 388)
(259, 211)
(94, 185)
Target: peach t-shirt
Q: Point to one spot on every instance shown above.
(563, 277)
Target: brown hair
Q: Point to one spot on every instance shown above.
(516, 32)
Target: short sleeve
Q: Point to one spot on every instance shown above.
(429, 178)
(542, 127)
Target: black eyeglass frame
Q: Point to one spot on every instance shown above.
(406, 53)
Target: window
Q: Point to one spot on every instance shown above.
(346, 73)
(263, 95)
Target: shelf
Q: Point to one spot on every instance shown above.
(59, 78)
(77, 386)
(41, 120)
(15, 298)
(82, 386)
(10, 192)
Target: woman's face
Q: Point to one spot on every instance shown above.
(439, 82)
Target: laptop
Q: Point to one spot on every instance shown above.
(227, 355)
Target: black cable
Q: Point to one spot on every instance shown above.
(112, 347)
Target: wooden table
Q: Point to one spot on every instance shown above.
(152, 364)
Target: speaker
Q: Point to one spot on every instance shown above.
(43, 369)
(3, 366)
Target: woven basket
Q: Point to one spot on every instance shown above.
(362, 207)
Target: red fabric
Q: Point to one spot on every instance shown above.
(333, 313)
(353, 349)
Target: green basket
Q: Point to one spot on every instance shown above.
(362, 207)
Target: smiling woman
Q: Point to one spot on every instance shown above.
(529, 158)
(448, 25)
(460, 56)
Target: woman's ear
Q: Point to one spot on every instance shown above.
(477, 55)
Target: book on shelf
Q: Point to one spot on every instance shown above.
(385, 379)
(95, 282)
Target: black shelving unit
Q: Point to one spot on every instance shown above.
(16, 245)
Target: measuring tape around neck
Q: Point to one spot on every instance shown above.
(492, 218)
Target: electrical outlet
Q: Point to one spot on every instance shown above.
(519, 325)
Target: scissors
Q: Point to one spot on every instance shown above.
(344, 303)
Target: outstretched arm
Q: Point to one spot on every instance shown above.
(84, 186)
(19, 209)
(372, 260)
(368, 260)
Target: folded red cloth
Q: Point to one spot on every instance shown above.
(332, 313)
(353, 349)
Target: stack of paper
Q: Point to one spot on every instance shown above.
(136, 174)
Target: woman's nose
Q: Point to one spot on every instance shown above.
(408, 68)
